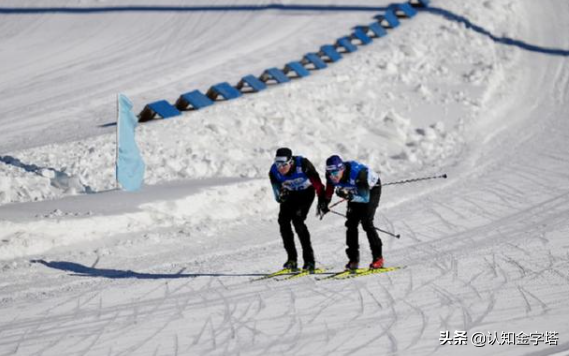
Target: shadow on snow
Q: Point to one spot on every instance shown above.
(59, 179)
(221, 8)
(502, 40)
(84, 271)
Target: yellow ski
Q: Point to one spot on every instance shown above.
(284, 271)
(304, 273)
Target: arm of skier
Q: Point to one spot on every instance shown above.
(313, 176)
(276, 187)
(362, 186)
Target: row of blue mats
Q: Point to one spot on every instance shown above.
(362, 35)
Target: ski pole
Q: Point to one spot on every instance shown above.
(378, 229)
(336, 203)
(333, 205)
(415, 180)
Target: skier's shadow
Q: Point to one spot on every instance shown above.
(84, 271)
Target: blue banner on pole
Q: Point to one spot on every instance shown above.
(130, 166)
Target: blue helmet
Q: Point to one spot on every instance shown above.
(334, 163)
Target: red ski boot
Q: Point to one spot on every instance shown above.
(377, 263)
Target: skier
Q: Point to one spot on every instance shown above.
(295, 180)
(362, 188)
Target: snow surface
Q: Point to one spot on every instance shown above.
(475, 89)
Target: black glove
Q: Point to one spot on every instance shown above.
(346, 194)
(322, 207)
(283, 195)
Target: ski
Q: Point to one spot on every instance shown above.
(295, 273)
(368, 271)
(303, 273)
(282, 272)
(342, 274)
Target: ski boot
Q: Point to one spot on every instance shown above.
(291, 265)
(376, 263)
(309, 266)
(352, 265)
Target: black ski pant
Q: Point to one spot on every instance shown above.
(294, 210)
(364, 213)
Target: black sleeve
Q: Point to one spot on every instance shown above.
(273, 179)
(312, 174)
(361, 180)
(308, 168)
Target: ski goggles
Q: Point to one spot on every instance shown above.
(335, 169)
(282, 161)
(334, 173)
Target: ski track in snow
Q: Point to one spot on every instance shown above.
(485, 250)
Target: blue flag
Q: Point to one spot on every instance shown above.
(130, 166)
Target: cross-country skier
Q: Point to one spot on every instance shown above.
(362, 188)
(295, 180)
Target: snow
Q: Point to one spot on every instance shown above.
(88, 269)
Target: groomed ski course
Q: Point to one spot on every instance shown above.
(168, 270)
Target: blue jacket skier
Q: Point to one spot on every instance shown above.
(295, 182)
(362, 188)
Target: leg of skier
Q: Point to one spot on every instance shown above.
(375, 243)
(285, 218)
(305, 200)
(353, 215)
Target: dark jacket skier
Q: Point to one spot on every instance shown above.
(295, 181)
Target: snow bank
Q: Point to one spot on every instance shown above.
(204, 211)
